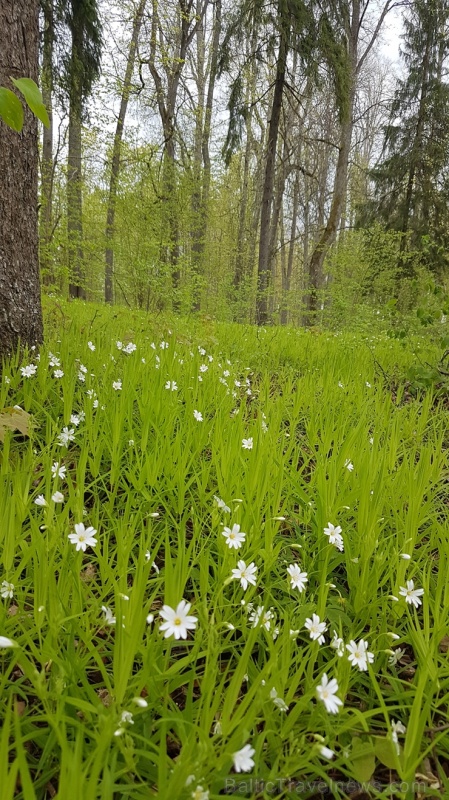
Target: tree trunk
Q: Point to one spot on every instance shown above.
(287, 269)
(314, 268)
(263, 268)
(404, 269)
(196, 201)
(74, 175)
(166, 97)
(46, 195)
(329, 233)
(241, 255)
(353, 29)
(202, 177)
(208, 111)
(170, 186)
(20, 302)
(75, 205)
(276, 217)
(116, 152)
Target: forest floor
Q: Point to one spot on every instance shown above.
(272, 480)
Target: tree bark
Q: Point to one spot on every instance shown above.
(202, 171)
(354, 15)
(116, 153)
(196, 201)
(20, 302)
(75, 206)
(74, 176)
(405, 270)
(329, 233)
(241, 265)
(276, 216)
(263, 267)
(46, 195)
(166, 98)
(287, 269)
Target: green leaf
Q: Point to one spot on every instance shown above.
(11, 110)
(392, 302)
(33, 98)
(385, 751)
(362, 759)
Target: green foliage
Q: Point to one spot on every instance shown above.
(411, 182)
(296, 19)
(81, 64)
(363, 287)
(143, 471)
(362, 277)
(11, 110)
(333, 45)
(33, 98)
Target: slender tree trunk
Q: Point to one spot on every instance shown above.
(241, 259)
(405, 270)
(329, 233)
(283, 258)
(74, 177)
(288, 268)
(315, 267)
(202, 177)
(353, 28)
(186, 26)
(263, 268)
(116, 154)
(169, 184)
(209, 106)
(46, 195)
(20, 302)
(275, 219)
(196, 200)
(75, 205)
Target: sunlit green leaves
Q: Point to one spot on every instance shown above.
(33, 98)
(11, 110)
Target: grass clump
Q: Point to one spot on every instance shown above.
(267, 479)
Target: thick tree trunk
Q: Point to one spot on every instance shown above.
(20, 302)
(116, 152)
(46, 194)
(263, 268)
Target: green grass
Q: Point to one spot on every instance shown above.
(143, 472)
